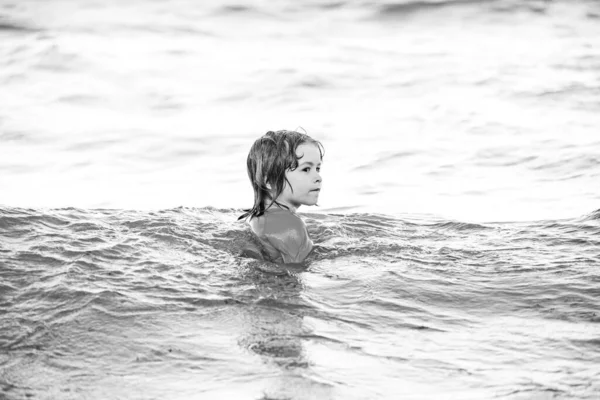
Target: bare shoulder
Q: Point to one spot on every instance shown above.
(276, 221)
(283, 221)
(283, 234)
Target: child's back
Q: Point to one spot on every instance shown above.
(283, 235)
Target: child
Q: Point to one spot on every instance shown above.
(283, 168)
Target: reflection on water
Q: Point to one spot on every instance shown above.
(274, 324)
(274, 330)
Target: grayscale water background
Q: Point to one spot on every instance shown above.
(458, 230)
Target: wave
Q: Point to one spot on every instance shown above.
(593, 216)
(406, 8)
(186, 223)
(78, 240)
(410, 7)
(11, 26)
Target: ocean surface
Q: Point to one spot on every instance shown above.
(458, 229)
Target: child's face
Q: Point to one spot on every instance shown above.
(305, 180)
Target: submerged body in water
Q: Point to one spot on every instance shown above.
(282, 236)
(127, 304)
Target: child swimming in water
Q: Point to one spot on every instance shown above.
(284, 169)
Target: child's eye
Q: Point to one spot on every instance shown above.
(318, 169)
(306, 169)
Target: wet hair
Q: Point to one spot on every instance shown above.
(270, 157)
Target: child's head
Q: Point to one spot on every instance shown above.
(273, 168)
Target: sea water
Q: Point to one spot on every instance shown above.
(136, 305)
(457, 237)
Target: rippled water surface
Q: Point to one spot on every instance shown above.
(457, 251)
(127, 304)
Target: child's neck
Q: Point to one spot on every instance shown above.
(283, 206)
